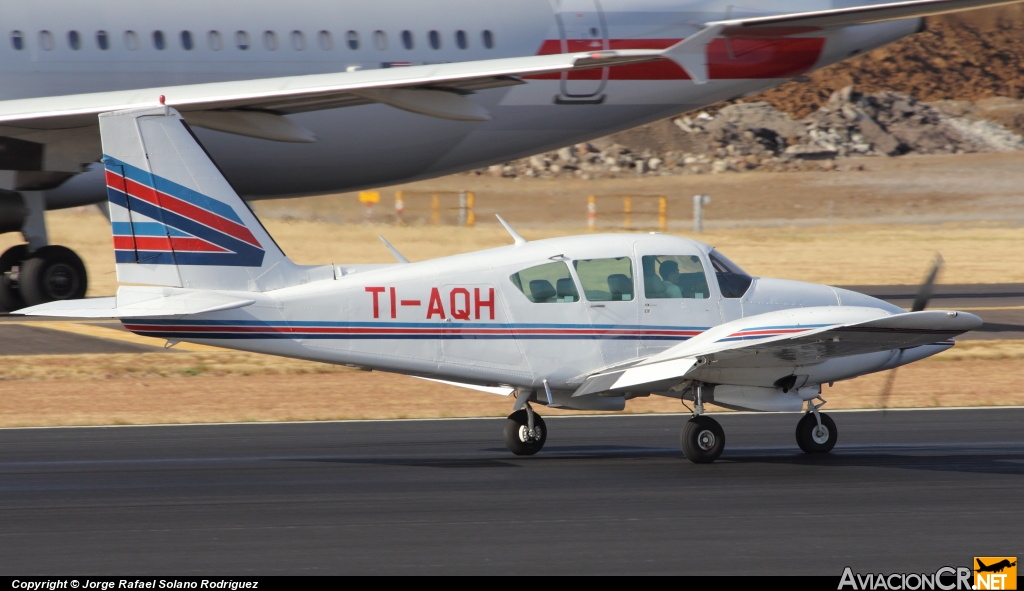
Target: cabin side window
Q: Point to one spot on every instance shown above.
(213, 39)
(674, 277)
(46, 40)
(352, 38)
(242, 40)
(298, 41)
(606, 280)
(102, 40)
(74, 40)
(17, 40)
(158, 40)
(131, 40)
(549, 283)
(324, 39)
(186, 40)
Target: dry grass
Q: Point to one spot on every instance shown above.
(835, 255)
(232, 387)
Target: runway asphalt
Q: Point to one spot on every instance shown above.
(1001, 306)
(908, 491)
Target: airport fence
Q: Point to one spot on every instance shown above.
(628, 207)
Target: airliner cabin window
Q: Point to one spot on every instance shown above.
(488, 38)
(674, 277)
(213, 39)
(158, 40)
(270, 40)
(606, 279)
(74, 40)
(732, 280)
(352, 38)
(435, 39)
(102, 40)
(380, 40)
(324, 39)
(17, 41)
(186, 40)
(549, 283)
(242, 40)
(46, 40)
(461, 39)
(407, 40)
(298, 41)
(131, 40)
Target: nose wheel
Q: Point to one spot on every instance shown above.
(525, 434)
(703, 440)
(814, 437)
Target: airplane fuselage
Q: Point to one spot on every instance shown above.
(55, 48)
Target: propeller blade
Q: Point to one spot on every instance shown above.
(924, 293)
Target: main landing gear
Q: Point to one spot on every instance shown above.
(525, 432)
(816, 433)
(30, 277)
(703, 439)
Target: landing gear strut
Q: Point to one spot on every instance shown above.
(525, 432)
(703, 439)
(50, 273)
(816, 433)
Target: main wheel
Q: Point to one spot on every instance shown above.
(52, 273)
(813, 439)
(518, 439)
(10, 295)
(703, 440)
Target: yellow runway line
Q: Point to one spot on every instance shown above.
(113, 334)
(991, 308)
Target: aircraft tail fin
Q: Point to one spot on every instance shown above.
(176, 220)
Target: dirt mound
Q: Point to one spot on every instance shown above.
(967, 57)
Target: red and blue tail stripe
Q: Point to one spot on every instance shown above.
(185, 227)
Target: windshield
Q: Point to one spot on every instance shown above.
(732, 280)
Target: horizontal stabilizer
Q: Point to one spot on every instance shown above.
(176, 305)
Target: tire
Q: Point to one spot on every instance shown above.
(53, 273)
(813, 442)
(516, 439)
(10, 294)
(702, 440)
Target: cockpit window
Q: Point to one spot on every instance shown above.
(732, 280)
(546, 284)
(674, 276)
(606, 279)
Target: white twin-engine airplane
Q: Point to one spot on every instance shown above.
(584, 322)
(307, 96)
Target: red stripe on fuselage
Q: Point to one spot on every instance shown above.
(728, 59)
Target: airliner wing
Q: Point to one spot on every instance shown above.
(783, 339)
(437, 89)
(254, 107)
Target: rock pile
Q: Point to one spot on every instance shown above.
(756, 136)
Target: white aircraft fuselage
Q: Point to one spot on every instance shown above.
(58, 48)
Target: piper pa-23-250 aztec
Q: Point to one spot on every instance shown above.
(307, 96)
(584, 322)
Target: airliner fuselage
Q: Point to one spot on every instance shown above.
(57, 48)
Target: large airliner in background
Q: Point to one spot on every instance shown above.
(309, 96)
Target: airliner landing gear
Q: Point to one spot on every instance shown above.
(816, 432)
(703, 439)
(525, 432)
(48, 274)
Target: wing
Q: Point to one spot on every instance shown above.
(253, 107)
(782, 339)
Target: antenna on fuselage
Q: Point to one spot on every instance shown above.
(515, 235)
(394, 251)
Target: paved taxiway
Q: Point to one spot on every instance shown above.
(1001, 306)
(909, 491)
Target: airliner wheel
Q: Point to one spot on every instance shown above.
(10, 295)
(813, 439)
(52, 273)
(518, 439)
(703, 440)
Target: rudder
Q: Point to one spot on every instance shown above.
(176, 220)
